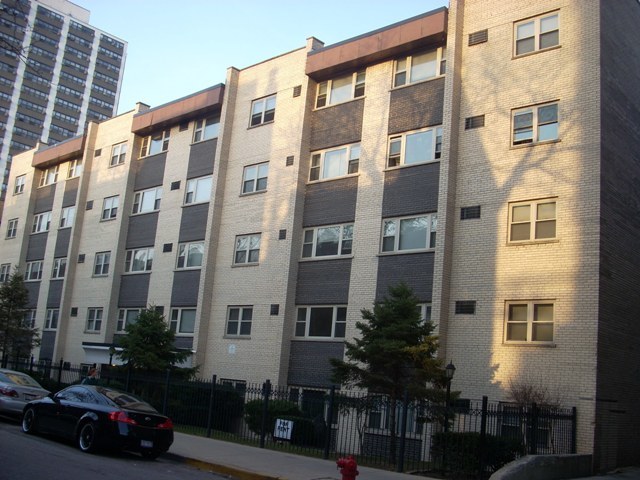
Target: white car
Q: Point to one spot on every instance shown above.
(16, 389)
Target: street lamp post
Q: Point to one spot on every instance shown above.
(112, 352)
(449, 371)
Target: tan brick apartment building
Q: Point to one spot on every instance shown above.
(486, 154)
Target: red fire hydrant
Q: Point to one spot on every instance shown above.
(348, 468)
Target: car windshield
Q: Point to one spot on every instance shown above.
(19, 379)
(126, 400)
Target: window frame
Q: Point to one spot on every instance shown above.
(347, 166)
(310, 244)
(12, 227)
(537, 33)
(537, 124)
(302, 328)
(255, 180)
(130, 259)
(202, 129)
(75, 168)
(430, 240)
(95, 315)
(407, 71)
(194, 189)
(123, 318)
(67, 216)
(5, 272)
(49, 176)
(102, 261)
(59, 269)
(184, 253)
(33, 271)
(176, 321)
(248, 251)
(118, 154)
(260, 114)
(533, 221)
(397, 158)
(139, 200)
(41, 222)
(325, 90)
(240, 321)
(530, 321)
(19, 184)
(155, 143)
(110, 207)
(52, 318)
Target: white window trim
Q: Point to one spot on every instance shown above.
(175, 321)
(194, 188)
(307, 321)
(102, 256)
(441, 57)
(41, 222)
(200, 129)
(67, 217)
(241, 309)
(121, 323)
(314, 242)
(533, 220)
(119, 153)
(49, 176)
(262, 112)
(324, 89)
(32, 268)
(536, 35)
(12, 228)
(183, 252)
(530, 322)
(138, 200)
(254, 178)
(247, 250)
(430, 241)
(95, 316)
(163, 136)
(130, 258)
(317, 172)
(535, 124)
(110, 208)
(59, 268)
(52, 318)
(5, 272)
(19, 185)
(75, 168)
(434, 155)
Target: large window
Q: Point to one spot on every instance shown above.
(198, 190)
(49, 176)
(67, 216)
(19, 185)
(12, 228)
(535, 124)
(147, 200)
(75, 168)
(33, 271)
(529, 321)
(127, 316)
(263, 110)
(416, 68)
(138, 260)
(183, 320)
(51, 319)
(532, 221)
(5, 272)
(101, 264)
(118, 154)
(254, 178)
(41, 222)
(327, 241)
(537, 34)
(156, 143)
(59, 268)
(409, 233)
(190, 255)
(239, 321)
(206, 128)
(323, 322)
(247, 249)
(341, 89)
(415, 147)
(336, 162)
(110, 208)
(94, 319)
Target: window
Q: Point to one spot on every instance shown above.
(30, 318)
(156, 143)
(239, 321)
(254, 178)
(198, 190)
(110, 207)
(532, 221)
(51, 320)
(75, 168)
(41, 222)
(138, 260)
(340, 89)
(465, 307)
(101, 264)
(247, 249)
(190, 255)
(33, 271)
(327, 322)
(425, 311)
(49, 176)
(336, 162)
(12, 228)
(183, 320)
(19, 185)
(537, 34)
(127, 316)
(415, 147)
(327, 241)
(416, 68)
(118, 154)
(59, 268)
(529, 321)
(409, 233)
(147, 200)
(263, 110)
(535, 124)
(67, 217)
(5, 272)
(206, 129)
(94, 319)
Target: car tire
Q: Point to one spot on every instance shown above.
(29, 421)
(150, 454)
(87, 437)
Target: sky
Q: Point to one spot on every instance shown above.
(176, 48)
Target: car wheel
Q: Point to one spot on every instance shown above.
(87, 440)
(150, 454)
(29, 421)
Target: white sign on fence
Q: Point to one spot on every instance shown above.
(283, 429)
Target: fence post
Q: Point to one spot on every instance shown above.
(574, 429)
(403, 431)
(327, 439)
(31, 364)
(128, 380)
(165, 400)
(212, 391)
(483, 436)
(60, 372)
(266, 391)
(533, 443)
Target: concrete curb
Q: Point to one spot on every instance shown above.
(236, 473)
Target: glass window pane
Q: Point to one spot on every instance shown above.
(542, 332)
(418, 147)
(188, 321)
(341, 89)
(520, 231)
(550, 39)
(413, 233)
(546, 211)
(327, 241)
(335, 163)
(549, 23)
(525, 46)
(203, 190)
(518, 313)
(423, 66)
(517, 332)
(548, 113)
(196, 252)
(543, 312)
(520, 213)
(548, 132)
(525, 30)
(320, 322)
(546, 229)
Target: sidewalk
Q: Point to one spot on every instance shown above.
(251, 463)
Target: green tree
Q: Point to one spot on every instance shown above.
(16, 337)
(395, 352)
(149, 343)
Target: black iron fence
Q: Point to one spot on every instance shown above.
(467, 439)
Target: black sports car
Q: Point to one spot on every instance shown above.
(100, 417)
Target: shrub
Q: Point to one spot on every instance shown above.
(277, 409)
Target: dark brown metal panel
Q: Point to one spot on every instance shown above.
(337, 125)
(201, 158)
(330, 202)
(416, 106)
(323, 282)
